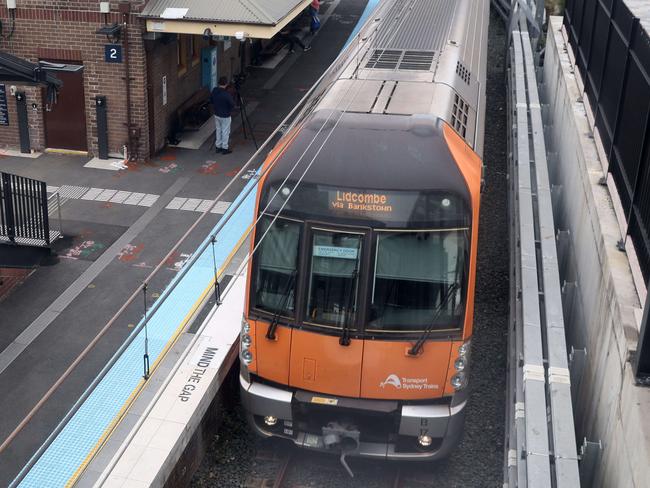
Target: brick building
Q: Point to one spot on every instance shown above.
(170, 54)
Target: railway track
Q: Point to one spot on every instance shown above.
(295, 469)
(477, 463)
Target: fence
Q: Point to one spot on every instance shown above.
(24, 212)
(612, 51)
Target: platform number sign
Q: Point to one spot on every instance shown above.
(113, 53)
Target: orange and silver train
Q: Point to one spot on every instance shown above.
(360, 296)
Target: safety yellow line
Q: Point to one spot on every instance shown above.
(138, 389)
(65, 151)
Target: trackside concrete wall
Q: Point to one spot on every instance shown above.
(601, 302)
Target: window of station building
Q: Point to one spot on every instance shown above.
(334, 278)
(181, 53)
(419, 281)
(276, 264)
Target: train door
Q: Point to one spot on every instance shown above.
(416, 289)
(326, 354)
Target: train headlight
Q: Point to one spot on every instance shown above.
(270, 420)
(247, 356)
(463, 350)
(246, 341)
(459, 380)
(245, 326)
(425, 440)
(459, 364)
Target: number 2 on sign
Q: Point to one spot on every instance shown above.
(113, 53)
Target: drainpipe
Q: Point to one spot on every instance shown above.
(132, 131)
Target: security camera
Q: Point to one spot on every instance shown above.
(207, 34)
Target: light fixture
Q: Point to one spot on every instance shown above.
(207, 34)
(112, 32)
(459, 380)
(425, 440)
(270, 420)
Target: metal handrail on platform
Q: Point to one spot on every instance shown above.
(540, 440)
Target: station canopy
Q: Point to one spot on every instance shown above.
(18, 70)
(260, 19)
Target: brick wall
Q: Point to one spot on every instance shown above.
(65, 30)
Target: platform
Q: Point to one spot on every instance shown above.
(87, 430)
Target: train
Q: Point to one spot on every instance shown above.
(357, 327)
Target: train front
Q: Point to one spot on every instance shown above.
(356, 336)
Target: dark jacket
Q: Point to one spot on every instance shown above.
(222, 102)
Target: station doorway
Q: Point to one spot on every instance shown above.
(65, 120)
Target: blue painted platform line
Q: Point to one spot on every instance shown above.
(77, 442)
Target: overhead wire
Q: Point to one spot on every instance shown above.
(245, 262)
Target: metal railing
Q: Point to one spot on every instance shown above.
(540, 442)
(54, 209)
(24, 216)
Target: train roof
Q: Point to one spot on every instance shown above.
(418, 57)
(370, 152)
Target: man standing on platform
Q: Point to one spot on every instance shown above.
(223, 104)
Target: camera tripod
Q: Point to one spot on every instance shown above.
(245, 120)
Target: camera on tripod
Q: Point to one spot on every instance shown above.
(238, 80)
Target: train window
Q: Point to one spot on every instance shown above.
(276, 261)
(334, 278)
(419, 278)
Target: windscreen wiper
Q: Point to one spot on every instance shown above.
(417, 347)
(345, 327)
(270, 332)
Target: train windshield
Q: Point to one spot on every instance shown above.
(419, 281)
(276, 266)
(334, 278)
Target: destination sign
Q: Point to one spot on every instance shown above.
(360, 202)
(374, 206)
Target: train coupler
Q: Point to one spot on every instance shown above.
(344, 437)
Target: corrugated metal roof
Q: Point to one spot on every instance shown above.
(232, 11)
(423, 25)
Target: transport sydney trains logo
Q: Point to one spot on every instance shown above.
(391, 379)
(407, 383)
